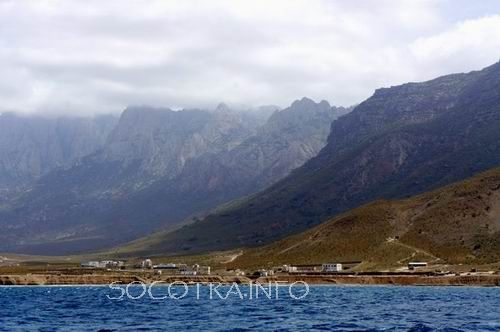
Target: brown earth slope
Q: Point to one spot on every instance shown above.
(456, 224)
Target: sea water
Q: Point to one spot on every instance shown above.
(318, 308)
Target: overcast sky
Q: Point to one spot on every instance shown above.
(87, 57)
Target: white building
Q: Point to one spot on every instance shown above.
(201, 269)
(414, 265)
(90, 264)
(147, 264)
(332, 267)
(102, 264)
(289, 268)
(168, 266)
(188, 270)
(111, 264)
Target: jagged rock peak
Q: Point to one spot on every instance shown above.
(222, 107)
(307, 103)
(325, 104)
(304, 102)
(142, 110)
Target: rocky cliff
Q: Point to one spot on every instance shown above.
(32, 146)
(289, 138)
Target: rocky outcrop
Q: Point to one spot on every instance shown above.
(288, 139)
(162, 140)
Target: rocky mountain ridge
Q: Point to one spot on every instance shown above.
(158, 167)
(402, 141)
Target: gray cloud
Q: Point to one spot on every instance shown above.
(90, 57)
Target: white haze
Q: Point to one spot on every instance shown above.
(87, 57)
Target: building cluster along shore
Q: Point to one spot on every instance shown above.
(147, 264)
(146, 271)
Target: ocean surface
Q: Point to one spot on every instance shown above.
(241, 308)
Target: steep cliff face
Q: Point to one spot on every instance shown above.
(31, 146)
(162, 141)
(402, 141)
(288, 139)
(158, 167)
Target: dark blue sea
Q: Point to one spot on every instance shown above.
(320, 308)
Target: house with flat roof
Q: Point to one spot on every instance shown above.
(91, 264)
(414, 265)
(102, 264)
(332, 267)
(167, 266)
(305, 268)
(147, 264)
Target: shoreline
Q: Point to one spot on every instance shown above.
(396, 280)
(327, 280)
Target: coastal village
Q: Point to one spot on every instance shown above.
(196, 269)
(200, 270)
(147, 264)
(14, 271)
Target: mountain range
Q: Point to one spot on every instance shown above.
(401, 141)
(309, 181)
(157, 167)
